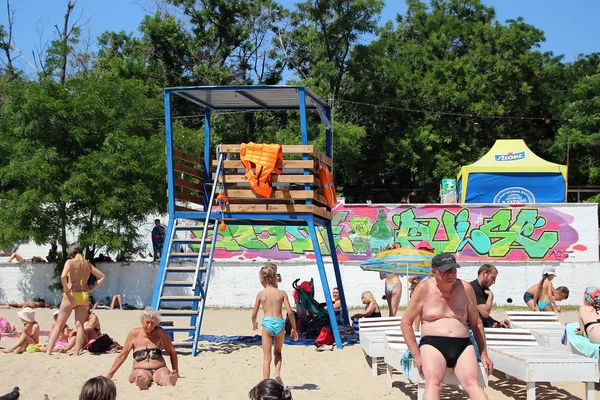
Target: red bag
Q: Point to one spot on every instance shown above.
(325, 337)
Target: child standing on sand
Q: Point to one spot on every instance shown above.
(272, 299)
(542, 296)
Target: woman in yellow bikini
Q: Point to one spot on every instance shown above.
(74, 277)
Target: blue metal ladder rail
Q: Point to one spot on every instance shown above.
(201, 270)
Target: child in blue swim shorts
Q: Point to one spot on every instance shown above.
(272, 299)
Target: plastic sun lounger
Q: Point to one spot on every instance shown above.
(371, 333)
(543, 324)
(516, 353)
(395, 347)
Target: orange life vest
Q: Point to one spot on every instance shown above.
(263, 158)
(328, 186)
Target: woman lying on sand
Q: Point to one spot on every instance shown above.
(147, 343)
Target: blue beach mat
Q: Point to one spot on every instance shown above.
(258, 339)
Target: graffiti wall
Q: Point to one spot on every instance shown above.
(495, 232)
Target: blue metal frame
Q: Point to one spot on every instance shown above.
(309, 220)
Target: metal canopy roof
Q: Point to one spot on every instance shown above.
(249, 97)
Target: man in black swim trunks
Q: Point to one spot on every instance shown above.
(445, 303)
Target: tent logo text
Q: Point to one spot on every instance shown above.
(514, 195)
(510, 156)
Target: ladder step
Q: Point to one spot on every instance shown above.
(181, 298)
(192, 227)
(187, 255)
(179, 283)
(183, 344)
(178, 313)
(179, 328)
(185, 269)
(192, 241)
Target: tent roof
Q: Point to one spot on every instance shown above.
(514, 156)
(250, 97)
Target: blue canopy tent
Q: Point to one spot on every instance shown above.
(511, 173)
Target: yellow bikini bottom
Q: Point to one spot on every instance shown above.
(81, 298)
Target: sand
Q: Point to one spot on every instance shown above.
(229, 371)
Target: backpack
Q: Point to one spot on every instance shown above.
(325, 337)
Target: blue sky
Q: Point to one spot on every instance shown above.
(571, 28)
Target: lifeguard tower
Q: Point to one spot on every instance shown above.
(296, 200)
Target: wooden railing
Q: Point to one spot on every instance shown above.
(290, 192)
(189, 179)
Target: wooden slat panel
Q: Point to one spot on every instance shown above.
(276, 208)
(297, 164)
(186, 169)
(279, 194)
(197, 186)
(299, 179)
(286, 149)
(187, 157)
(189, 197)
(185, 209)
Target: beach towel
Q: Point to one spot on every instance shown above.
(581, 343)
(258, 339)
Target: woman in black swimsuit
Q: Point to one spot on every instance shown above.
(149, 364)
(371, 307)
(589, 314)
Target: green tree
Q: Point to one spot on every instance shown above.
(581, 132)
(82, 156)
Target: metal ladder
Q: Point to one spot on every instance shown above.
(175, 273)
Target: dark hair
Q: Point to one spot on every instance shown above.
(98, 388)
(564, 292)
(74, 249)
(488, 268)
(269, 389)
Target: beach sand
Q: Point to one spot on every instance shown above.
(228, 371)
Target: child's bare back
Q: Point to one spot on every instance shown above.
(272, 300)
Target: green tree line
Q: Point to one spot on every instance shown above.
(414, 98)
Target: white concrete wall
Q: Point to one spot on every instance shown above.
(236, 285)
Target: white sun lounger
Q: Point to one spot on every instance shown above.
(515, 352)
(544, 325)
(371, 333)
(395, 347)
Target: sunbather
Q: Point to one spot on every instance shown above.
(21, 260)
(371, 307)
(30, 335)
(589, 314)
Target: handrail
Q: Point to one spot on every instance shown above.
(206, 220)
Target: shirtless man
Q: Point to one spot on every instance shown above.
(445, 304)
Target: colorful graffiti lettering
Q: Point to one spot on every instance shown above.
(482, 232)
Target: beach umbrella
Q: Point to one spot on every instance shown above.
(401, 261)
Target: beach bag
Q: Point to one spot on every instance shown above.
(325, 337)
(99, 345)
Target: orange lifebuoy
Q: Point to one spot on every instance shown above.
(328, 186)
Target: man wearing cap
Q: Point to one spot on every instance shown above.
(486, 277)
(445, 303)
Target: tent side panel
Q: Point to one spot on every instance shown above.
(515, 188)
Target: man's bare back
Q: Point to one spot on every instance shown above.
(443, 317)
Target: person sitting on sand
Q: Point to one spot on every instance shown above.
(371, 308)
(98, 388)
(272, 301)
(269, 389)
(76, 291)
(66, 338)
(30, 335)
(91, 326)
(147, 343)
(21, 260)
(589, 314)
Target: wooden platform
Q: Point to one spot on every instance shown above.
(297, 189)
